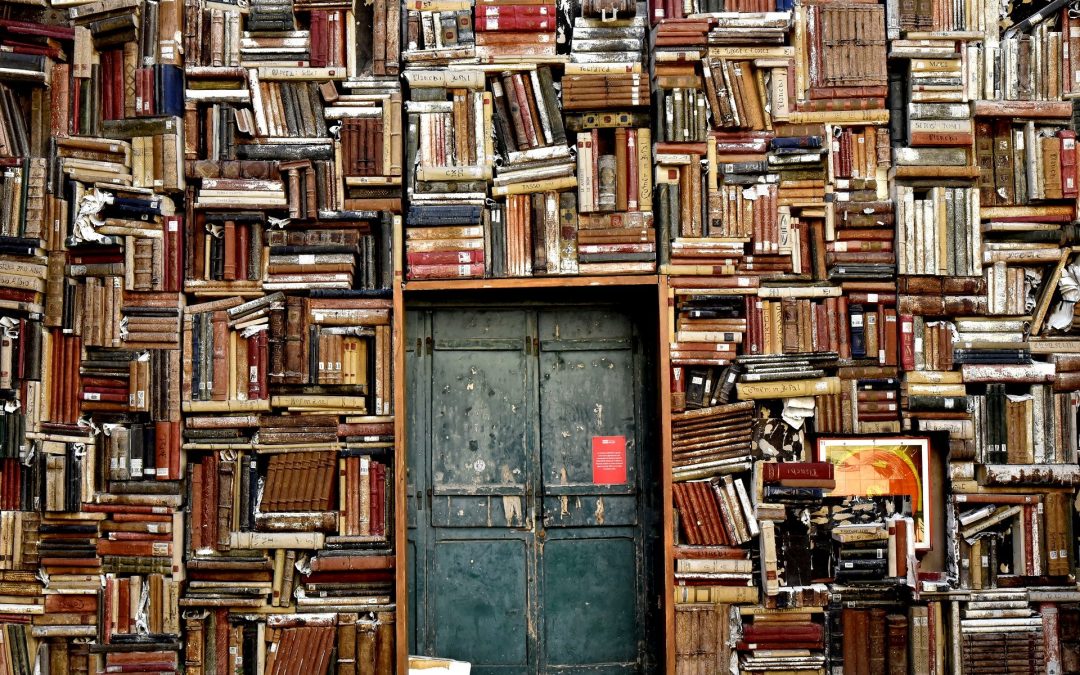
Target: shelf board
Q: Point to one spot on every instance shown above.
(530, 282)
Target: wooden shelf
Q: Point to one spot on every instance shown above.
(530, 282)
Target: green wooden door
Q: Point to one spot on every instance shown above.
(521, 562)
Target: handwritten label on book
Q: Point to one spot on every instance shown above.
(608, 460)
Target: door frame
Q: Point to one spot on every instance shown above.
(639, 302)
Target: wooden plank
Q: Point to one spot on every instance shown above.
(401, 510)
(529, 282)
(664, 298)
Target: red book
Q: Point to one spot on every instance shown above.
(221, 635)
(174, 226)
(444, 271)
(254, 392)
(318, 38)
(229, 239)
(137, 548)
(710, 552)
(1066, 62)
(774, 472)
(810, 632)
(526, 112)
(106, 91)
(220, 383)
(34, 28)
(445, 257)
(902, 534)
(503, 23)
(485, 11)
(107, 627)
(60, 98)
(678, 380)
(243, 252)
(138, 536)
(76, 104)
(210, 501)
(116, 81)
(744, 645)
(1068, 163)
(351, 563)
(148, 99)
(123, 606)
(174, 455)
(76, 604)
(109, 255)
(264, 392)
(196, 517)
(377, 480)
(127, 509)
(366, 429)
(162, 448)
(843, 327)
(377, 143)
(17, 295)
(109, 397)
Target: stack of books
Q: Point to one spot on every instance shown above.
(199, 203)
(450, 154)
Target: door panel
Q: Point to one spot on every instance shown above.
(588, 388)
(503, 407)
(481, 604)
(479, 419)
(591, 595)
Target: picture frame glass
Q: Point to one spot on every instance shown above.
(883, 467)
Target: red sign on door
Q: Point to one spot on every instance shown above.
(608, 460)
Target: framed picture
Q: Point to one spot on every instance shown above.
(879, 467)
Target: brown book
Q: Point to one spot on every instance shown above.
(701, 638)
(220, 356)
(346, 645)
(224, 515)
(896, 638)
(195, 514)
(365, 648)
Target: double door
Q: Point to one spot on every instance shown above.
(526, 544)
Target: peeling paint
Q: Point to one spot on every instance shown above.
(598, 410)
(564, 506)
(512, 510)
(599, 510)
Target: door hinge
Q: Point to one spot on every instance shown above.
(419, 347)
(419, 500)
(429, 493)
(528, 346)
(430, 344)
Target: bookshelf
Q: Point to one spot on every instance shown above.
(859, 220)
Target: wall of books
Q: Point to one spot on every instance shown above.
(859, 216)
(197, 468)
